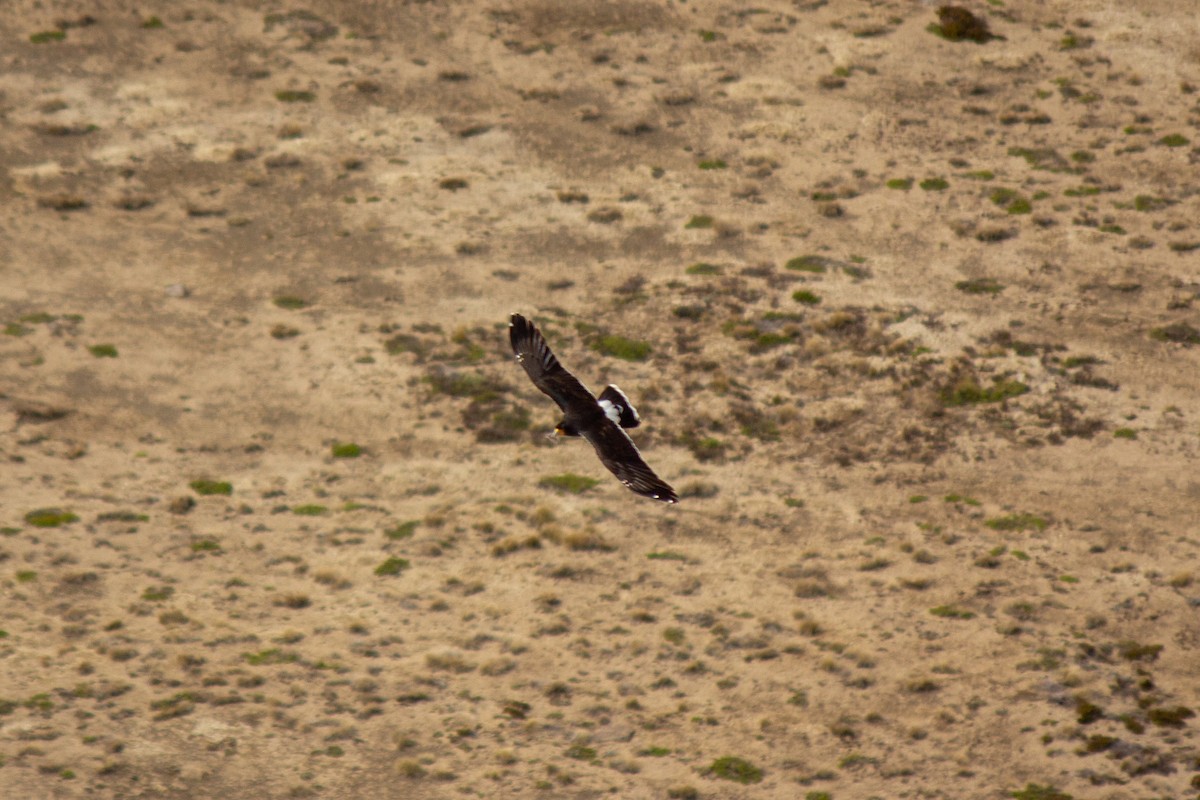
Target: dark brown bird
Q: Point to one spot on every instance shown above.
(598, 419)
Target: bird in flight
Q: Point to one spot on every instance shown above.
(601, 420)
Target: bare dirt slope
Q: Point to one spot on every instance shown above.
(910, 322)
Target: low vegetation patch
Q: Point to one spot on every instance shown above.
(968, 392)
(1034, 791)
(739, 770)
(271, 656)
(346, 450)
(290, 302)
(294, 96)
(620, 347)
(43, 37)
(957, 24)
(951, 612)
(156, 594)
(50, 517)
(980, 286)
(402, 531)
(1135, 651)
(811, 263)
(1011, 201)
(205, 487)
(581, 752)
(1017, 522)
(568, 482)
(392, 566)
(1179, 333)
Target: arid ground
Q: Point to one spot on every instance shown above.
(910, 317)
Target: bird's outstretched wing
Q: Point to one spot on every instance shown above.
(618, 452)
(531, 350)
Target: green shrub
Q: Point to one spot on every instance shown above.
(620, 347)
(203, 487)
(732, 768)
(814, 264)
(1017, 522)
(951, 612)
(392, 566)
(968, 392)
(50, 517)
(402, 531)
(310, 510)
(568, 482)
(294, 96)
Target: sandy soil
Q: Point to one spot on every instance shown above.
(909, 322)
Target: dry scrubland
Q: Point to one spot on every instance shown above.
(911, 322)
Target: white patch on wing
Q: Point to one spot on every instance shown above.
(611, 411)
(628, 405)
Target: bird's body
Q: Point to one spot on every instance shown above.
(612, 403)
(600, 420)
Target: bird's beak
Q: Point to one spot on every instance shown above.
(554, 434)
